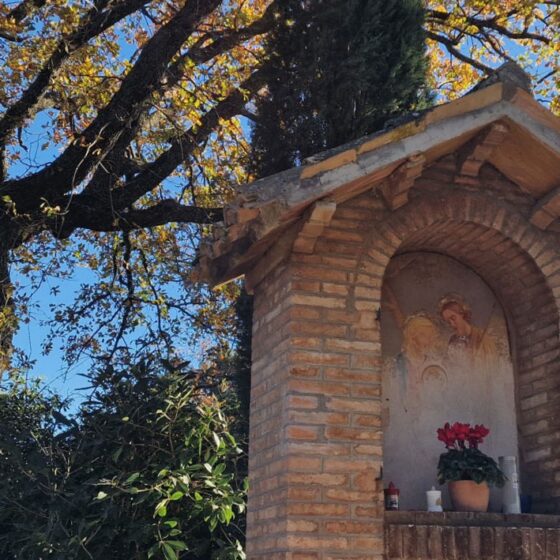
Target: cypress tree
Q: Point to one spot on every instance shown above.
(336, 70)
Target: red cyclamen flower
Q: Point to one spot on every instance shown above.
(462, 432)
(447, 435)
(477, 435)
(456, 435)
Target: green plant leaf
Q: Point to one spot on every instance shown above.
(177, 545)
(169, 552)
(132, 477)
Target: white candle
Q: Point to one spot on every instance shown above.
(433, 498)
(510, 491)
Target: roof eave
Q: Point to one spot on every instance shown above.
(266, 209)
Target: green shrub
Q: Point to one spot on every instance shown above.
(146, 470)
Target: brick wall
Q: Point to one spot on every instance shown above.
(266, 522)
(315, 451)
(316, 444)
(474, 536)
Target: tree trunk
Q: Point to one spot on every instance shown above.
(8, 319)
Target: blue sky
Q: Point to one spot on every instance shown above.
(30, 337)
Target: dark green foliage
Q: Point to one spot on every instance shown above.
(147, 470)
(336, 70)
(27, 436)
(469, 464)
(242, 360)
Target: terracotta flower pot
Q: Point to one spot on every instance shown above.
(467, 495)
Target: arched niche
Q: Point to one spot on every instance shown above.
(446, 358)
(520, 267)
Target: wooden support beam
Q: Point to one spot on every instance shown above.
(476, 152)
(546, 210)
(279, 252)
(395, 188)
(320, 216)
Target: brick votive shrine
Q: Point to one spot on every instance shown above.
(405, 279)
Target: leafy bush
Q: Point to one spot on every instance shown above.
(27, 439)
(146, 470)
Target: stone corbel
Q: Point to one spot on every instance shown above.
(395, 188)
(320, 217)
(476, 152)
(546, 210)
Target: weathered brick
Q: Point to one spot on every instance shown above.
(364, 449)
(301, 402)
(321, 418)
(323, 358)
(306, 433)
(364, 511)
(306, 285)
(304, 494)
(342, 344)
(350, 527)
(304, 312)
(318, 329)
(346, 465)
(353, 405)
(366, 481)
(366, 390)
(319, 387)
(304, 464)
(342, 235)
(302, 526)
(302, 371)
(350, 375)
(321, 543)
(342, 495)
(318, 301)
(369, 420)
(352, 434)
(533, 401)
(335, 289)
(306, 342)
(317, 509)
(304, 556)
(324, 274)
(322, 479)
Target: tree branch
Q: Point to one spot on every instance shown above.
(201, 55)
(73, 165)
(448, 44)
(95, 22)
(492, 23)
(9, 36)
(24, 9)
(547, 75)
(167, 211)
(182, 147)
(113, 165)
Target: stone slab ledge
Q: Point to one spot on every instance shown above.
(471, 536)
(472, 519)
